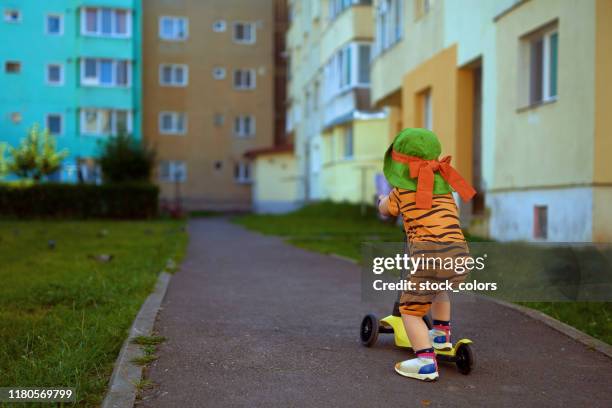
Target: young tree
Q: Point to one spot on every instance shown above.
(124, 158)
(36, 156)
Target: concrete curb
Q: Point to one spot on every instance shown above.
(589, 341)
(122, 387)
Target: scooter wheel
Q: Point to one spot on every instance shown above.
(464, 358)
(369, 330)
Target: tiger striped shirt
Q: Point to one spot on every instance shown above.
(440, 223)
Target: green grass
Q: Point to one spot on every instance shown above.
(326, 227)
(342, 228)
(63, 313)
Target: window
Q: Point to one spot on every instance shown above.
(348, 142)
(88, 171)
(172, 171)
(106, 22)
(244, 79)
(421, 8)
(427, 115)
(364, 63)
(173, 75)
(244, 126)
(12, 67)
(336, 7)
(242, 172)
(106, 72)
(54, 24)
(219, 119)
(172, 123)
(348, 67)
(104, 122)
(55, 74)
(244, 33)
(389, 24)
(12, 16)
(219, 73)
(173, 28)
(540, 222)
(53, 123)
(543, 48)
(219, 26)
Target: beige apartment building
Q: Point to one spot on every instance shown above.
(208, 96)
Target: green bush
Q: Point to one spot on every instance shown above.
(125, 159)
(51, 200)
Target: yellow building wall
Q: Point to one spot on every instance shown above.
(451, 92)
(423, 37)
(354, 24)
(602, 171)
(603, 92)
(352, 179)
(275, 179)
(550, 144)
(205, 143)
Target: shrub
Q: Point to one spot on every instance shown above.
(51, 200)
(35, 157)
(125, 159)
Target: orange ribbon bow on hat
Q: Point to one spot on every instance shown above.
(423, 170)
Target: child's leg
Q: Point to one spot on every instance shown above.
(424, 366)
(417, 332)
(440, 334)
(441, 307)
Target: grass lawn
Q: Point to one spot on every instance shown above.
(341, 229)
(63, 312)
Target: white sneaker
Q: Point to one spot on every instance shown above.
(440, 339)
(422, 368)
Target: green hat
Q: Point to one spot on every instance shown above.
(417, 142)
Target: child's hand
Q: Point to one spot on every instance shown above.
(383, 205)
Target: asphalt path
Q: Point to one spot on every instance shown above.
(254, 322)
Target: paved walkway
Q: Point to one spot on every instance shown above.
(254, 322)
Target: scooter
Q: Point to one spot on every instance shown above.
(461, 354)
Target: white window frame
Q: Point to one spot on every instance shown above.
(175, 120)
(61, 24)
(173, 166)
(219, 73)
(240, 125)
(185, 69)
(85, 81)
(241, 72)
(335, 76)
(8, 12)
(546, 40)
(113, 120)
(219, 26)
(61, 117)
(61, 72)
(389, 24)
(174, 20)
(98, 32)
(253, 32)
(244, 172)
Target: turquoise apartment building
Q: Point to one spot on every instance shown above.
(73, 67)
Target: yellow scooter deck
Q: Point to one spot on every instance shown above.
(401, 339)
